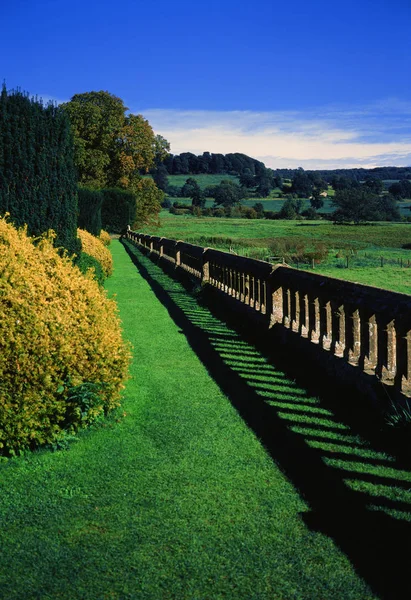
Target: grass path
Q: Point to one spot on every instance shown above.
(178, 498)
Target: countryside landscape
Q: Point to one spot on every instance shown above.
(205, 303)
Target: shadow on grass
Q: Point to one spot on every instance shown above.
(358, 493)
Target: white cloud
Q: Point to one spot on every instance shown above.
(328, 137)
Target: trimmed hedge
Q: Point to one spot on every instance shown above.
(105, 237)
(38, 180)
(94, 247)
(62, 358)
(118, 209)
(86, 262)
(89, 210)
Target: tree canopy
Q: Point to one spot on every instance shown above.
(227, 193)
(111, 147)
(361, 204)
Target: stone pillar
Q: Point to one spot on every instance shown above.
(205, 267)
(403, 347)
(325, 324)
(313, 318)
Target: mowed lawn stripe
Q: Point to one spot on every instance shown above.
(177, 498)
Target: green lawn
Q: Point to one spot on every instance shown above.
(219, 478)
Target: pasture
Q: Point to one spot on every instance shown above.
(272, 202)
(376, 253)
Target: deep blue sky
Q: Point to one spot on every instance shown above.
(256, 56)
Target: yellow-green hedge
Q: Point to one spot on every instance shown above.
(96, 248)
(105, 237)
(62, 358)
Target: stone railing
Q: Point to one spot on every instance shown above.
(365, 327)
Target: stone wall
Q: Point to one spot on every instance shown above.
(355, 332)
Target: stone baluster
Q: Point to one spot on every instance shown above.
(303, 314)
(286, 306)
(368, 341)
(386, 344)
(252, 289)
(246, 288)
(205, 267)
(313, 318)
(294, 310)
(278, 303)
(403, 347)
(257, 291)
(268, 302)
(237, 284)
(325, 335)
(337, 329)
(352, 334)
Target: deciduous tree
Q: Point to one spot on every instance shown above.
(111, 147)
(148, 204)
(360, 204)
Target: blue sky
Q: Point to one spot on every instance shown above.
(317, 84)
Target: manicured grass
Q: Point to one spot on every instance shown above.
(219, 478)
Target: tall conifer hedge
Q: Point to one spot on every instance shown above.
(89, 210)
(38, 182)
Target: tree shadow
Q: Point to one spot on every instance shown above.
(358, 492)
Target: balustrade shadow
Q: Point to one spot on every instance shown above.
(357, 493)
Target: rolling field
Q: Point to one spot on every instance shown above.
(273, 202)
(375, 252)
(203, 180)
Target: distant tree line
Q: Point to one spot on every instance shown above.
(236, 163)
(382, 173)
(214, 164)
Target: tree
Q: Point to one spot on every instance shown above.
(161, 149)
(111, 147)
(316, 200)
(375, 185)
(247, 179)
(228, 193)
(291, 208)
(197, 197)
(160, 177)
(191, 186)
(401, 190)
(259, 210)
(302, 185)
(360, 204)
(265, 185)
(148, 204)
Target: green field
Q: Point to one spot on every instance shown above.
(265, 239)
(273, 202)
(203, 180)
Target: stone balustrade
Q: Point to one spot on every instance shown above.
(365, 327)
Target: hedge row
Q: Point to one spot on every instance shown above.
(62, 358)
(38, 183)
